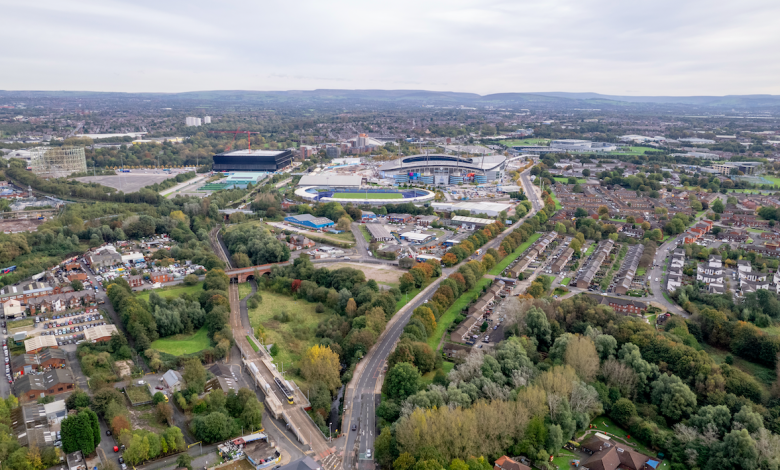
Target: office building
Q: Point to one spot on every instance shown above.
(193, 121)
(207, 120)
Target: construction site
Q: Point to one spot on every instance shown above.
(58, 162)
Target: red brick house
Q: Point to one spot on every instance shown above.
(135, 281)
(161, 277)
(32, 387)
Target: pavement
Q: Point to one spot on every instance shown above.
(363, 392)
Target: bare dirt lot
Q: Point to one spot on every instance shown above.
(381, 273)
(127, 182)
(20, 225)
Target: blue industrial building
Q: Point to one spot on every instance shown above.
(310, 221)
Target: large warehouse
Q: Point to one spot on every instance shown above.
(252, 160)
(444, 169)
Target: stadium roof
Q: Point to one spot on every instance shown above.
(488, 162)
(331, 179)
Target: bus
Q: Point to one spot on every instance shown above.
(285, 390)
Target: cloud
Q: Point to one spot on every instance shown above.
(649, 48)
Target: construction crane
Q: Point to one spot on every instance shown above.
(235, 133)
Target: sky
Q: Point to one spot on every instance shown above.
(638, 47)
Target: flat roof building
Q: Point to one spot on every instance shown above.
(331, 180)
(379, 232)
(252, 160)
(310, 221)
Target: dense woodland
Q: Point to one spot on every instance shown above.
(571, 361)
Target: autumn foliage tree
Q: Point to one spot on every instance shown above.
(321, 364)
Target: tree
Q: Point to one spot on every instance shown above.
(216, 279)
(580, 213)
(78, 399)
(718, 207)
(81, 432)
(537, 325)
(184, 461)
(190, 279)
(384, 448)
(402, 381)
(582, 356)
(194, 375)
(585, 172)
(158, 398)
(575, 245)
(213, 427)
(77, 285)
(674, 399)
(321, 364)
(252, 415)
(165, 412)
(622, 411)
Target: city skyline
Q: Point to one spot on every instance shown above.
(663, 48)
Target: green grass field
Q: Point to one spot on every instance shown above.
(365, 233)
(635, 151)
(763, 374)
(368, 196)
(449, 316)
(172, 292)
(427, 378)
(518, 251)
(565, 281)
(180, 345)
(590, 249)
(534, 141)
(294, 336)
(244, 289)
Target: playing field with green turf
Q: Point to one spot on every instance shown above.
(368, 196)
(183, 344)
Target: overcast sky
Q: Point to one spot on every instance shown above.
(659, 47)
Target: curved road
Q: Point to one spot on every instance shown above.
(362, 395)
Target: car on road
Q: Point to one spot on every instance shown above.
(656, 279)
(354, 427)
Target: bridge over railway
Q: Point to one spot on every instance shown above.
(259, 365)
(241, 275)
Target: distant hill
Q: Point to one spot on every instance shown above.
(415, 97)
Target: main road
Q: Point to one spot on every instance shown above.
(361, 397)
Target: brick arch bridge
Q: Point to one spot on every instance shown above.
(240, 275)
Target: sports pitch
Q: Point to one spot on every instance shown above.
(367, 196)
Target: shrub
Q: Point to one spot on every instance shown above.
(319, 308)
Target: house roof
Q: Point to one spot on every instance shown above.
(45, 381)
(172, 377)
(506, 463)
(615, 456)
